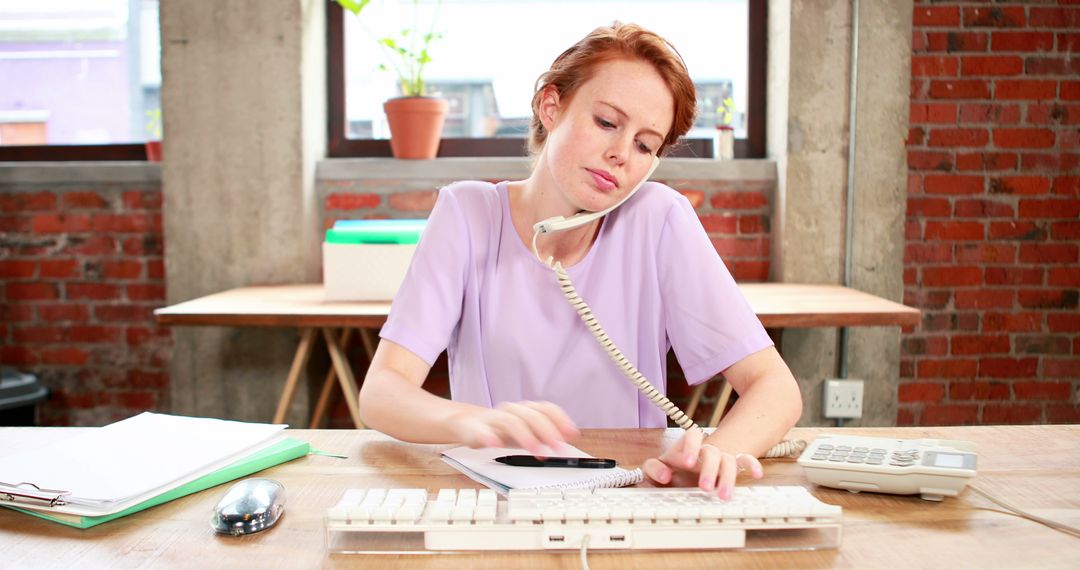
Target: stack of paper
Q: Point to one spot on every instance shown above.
(136, 463)
(480, 466)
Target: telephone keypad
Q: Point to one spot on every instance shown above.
(865, 455)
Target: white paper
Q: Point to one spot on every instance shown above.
(480, 465)
(146, 454)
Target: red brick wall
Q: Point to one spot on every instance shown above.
(735, 213)
(80, 273)
(993, 215)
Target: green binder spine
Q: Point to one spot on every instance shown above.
(281, 452)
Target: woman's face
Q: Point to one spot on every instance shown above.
(602, 141)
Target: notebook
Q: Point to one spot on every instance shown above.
(103, 471)
(480, 466)
(280, 452)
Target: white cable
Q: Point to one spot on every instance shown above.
(1062, 527)
(627, 368)
(786, 448)
(584, 548)
(783, 449)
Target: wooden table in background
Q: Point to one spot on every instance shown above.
(778, 305)
(303, 307)
(1036, 468)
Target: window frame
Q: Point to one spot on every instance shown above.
(125, 151)
(73, 152)
(340, 146)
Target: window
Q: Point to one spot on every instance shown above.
(486, 68)
(82, 78)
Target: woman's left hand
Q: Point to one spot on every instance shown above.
(716, 468)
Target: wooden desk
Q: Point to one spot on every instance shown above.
(300, 306)
(1037, 468)
(778, 305)
(795, 305)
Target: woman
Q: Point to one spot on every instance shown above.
(524, 369)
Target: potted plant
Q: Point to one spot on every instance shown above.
(416, 119)
(153, 128)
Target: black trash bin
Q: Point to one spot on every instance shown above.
(19, 396)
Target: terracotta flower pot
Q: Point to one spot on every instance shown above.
(153, 151)
(415, 125)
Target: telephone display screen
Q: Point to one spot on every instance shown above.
(951, 460)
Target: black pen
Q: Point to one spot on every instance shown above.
(581, 462)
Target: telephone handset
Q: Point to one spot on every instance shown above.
(560, 223)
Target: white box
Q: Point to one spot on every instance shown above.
(364, 272)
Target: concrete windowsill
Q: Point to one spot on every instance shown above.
(75, 173)
(514, 168)
(484, 168)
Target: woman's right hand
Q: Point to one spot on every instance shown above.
(539, 427)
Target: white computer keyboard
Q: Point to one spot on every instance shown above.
(412, 520)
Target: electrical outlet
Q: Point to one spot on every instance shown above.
(842, 398)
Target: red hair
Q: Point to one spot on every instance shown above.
(577, 65)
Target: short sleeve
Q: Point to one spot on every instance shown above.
(709, 323)
(427, 307)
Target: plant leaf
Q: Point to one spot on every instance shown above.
(401, 53)
(354, 6)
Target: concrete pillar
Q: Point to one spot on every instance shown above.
(808, 122)
(884, 102)
(243, 99)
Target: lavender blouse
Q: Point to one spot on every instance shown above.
(652, 278)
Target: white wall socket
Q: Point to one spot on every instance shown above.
(843, 398)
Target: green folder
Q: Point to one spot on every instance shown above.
(285, 450)
(376, 231)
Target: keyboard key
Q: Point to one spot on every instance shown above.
(382, 513)
(575, 513)
(466, 497)
(599, 514)
(644, 513)
(359, 514)
(484, 514)
(408, 513)
(552, 514)
(486, 497)
(461, 513)
(439, 511)
(524, 513)
(667, 512)
(373, 498)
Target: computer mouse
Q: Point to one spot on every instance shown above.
(250, 506)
